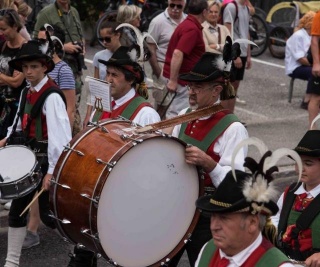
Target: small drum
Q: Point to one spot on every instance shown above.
(130, 197)
(17, 170)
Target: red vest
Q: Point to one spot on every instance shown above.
(39, 123)
(199, 129)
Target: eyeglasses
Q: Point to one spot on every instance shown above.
(174, 5)
(105, 39)
(198, 88)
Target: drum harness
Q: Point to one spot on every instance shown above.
(39, 147)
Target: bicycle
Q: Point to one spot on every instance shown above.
(259, 33)
(282, 19)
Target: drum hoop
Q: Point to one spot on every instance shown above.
(100, 185)
(27, 174)
(59, 166)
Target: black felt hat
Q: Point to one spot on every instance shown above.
(33, 50)
(229, 198)
(208, 68)
(309, 145)
(121, 58)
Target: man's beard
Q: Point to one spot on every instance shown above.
(194, 107)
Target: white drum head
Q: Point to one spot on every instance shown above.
(16, 162)
(147, 203)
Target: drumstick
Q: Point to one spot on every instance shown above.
(33, 200)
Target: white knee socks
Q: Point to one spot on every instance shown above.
(15, 241)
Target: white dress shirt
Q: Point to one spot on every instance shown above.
(224, 147)
(240, 258)
(58, 125)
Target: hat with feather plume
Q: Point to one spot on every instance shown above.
(252, 192)
(309, 145)
(34, 50)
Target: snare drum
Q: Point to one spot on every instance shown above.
(17, 170)
(130, 197)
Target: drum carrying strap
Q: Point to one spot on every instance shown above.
(214, 133)
(182, 118)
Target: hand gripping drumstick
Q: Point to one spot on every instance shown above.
(33, 200)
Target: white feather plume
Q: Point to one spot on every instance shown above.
(249, 141)
(133, 54)
(44, 48)
(219, 63)
(55, 38)
(278, 154)
(259, 190)
(314, 121)
(245, 41)
(140, 38)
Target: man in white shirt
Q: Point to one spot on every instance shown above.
(47, 133)
(212, 138)
(161, 29)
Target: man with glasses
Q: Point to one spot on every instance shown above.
(185, 48)
(211, 139)
(161, 29)
(66, 17)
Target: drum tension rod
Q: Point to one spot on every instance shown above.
(96, 124)
(165, 263)
(62, 185)
(86, 232)
(126, 136)
(95, 200)
(64, 221)
(67, 147)
(109, 164)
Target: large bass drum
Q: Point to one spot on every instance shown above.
(130, 197)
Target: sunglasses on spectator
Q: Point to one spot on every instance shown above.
(174, 5)
(105, 39)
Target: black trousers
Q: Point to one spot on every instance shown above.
(200, 236)
(18, 205)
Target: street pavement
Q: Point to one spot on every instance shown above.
(267, 114)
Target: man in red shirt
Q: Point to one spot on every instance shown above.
(185, 49)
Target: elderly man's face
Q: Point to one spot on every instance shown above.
(233, 232)
(175, 8)
(203, 94)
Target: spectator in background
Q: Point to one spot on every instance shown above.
(62, 14)
(24, 10)
(296, 61)
(161, 29)
(239, 17)
(111, 40)
(214, 34)
(185, 49)
(11, 82)
(129, 14)
(314, 103)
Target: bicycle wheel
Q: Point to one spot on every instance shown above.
(105, 17)
(277, 41)
(259, 35)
